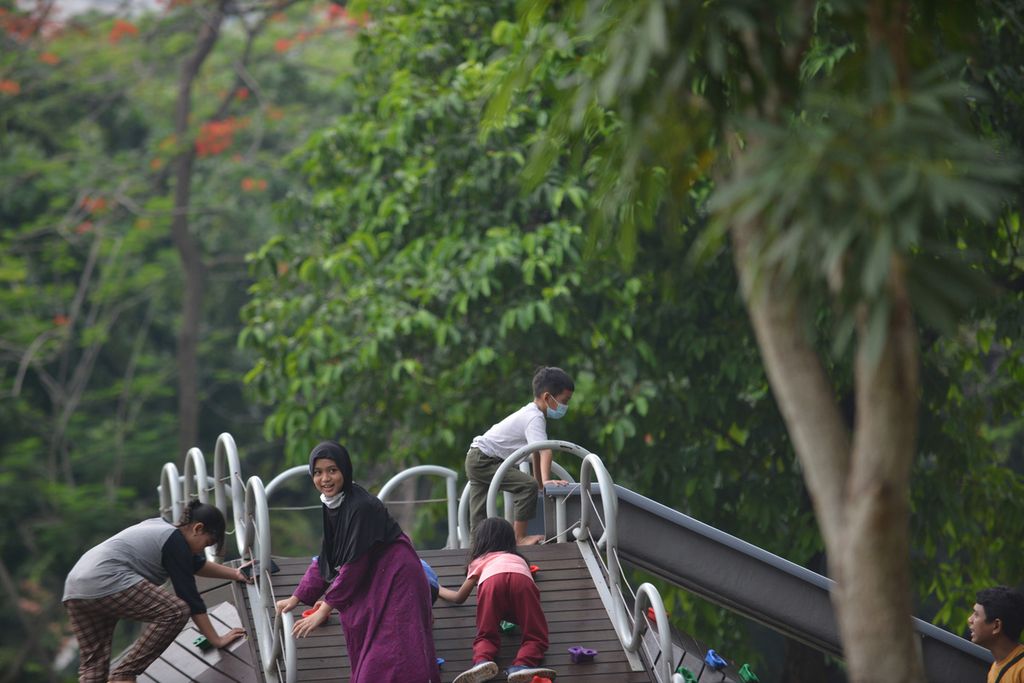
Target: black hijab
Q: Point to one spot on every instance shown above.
(355, 526)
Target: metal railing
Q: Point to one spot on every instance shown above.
(450, 478)
(250, 515)
(250, 519)
(629, 631)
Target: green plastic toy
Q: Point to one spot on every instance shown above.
(747, 675)
(506, 626)
(686, 674)
(202, 643)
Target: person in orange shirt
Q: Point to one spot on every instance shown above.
(996, 623)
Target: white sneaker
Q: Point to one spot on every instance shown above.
(484, 671)
(525, 675)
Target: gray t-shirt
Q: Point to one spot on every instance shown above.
(139, 553)
(524, 426)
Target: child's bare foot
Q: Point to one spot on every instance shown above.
(529, 540)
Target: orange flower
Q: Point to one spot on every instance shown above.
(282, 45)
(84, 227)
(248, 184)
(216, 136)
(242, 94)
(156, 163)
(9, 87)
(121, 29)
(49, 58)
(60, 320)
(336, 12)
(93, 204)
(261, 184)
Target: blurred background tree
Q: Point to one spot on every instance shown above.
(106, 265)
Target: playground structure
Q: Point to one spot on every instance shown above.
(589, 515)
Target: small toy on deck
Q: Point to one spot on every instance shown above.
(534, 569)
(440, 662)
(579, 654)
(202, 643)
(540, 679)
(714, 661)
(686, 674)
(747, 675)
(650, 614)
(311, 611)
(506, 626)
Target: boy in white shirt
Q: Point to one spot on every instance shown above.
(552, 391)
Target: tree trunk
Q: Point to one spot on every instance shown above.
(186, 244)
(860, 493)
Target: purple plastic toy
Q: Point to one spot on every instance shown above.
(580, 654)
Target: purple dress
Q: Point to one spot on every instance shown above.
(384, 602)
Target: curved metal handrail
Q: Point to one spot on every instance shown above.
(195, 475)
(289, 473)
(170, 493)
(256, 542)
(284, 645)
(226, 468)
(450, 476)
(464, 517)
(648, 596)
(559, 508)
(519, 456)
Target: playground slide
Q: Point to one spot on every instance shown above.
(748, 580)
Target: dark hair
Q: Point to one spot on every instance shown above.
(332, 450)
(211, 517)
(553, 380)
(492, 535)
(1005, 604)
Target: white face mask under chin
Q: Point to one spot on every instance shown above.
(334, 501)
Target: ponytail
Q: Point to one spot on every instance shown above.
(210, 516)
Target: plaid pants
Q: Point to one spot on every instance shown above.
(93, 621)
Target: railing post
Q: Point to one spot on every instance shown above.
(226, 468)
(450, 477)
(170, 493)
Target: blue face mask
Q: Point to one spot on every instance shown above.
(559, 412)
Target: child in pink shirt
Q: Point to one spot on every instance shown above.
(507, 592)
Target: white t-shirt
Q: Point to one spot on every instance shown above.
(524, 426)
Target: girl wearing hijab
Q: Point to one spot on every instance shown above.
(367, 570)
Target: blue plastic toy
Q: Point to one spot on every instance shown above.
(714, 660)
(440, 662)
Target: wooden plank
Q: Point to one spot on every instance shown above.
(571, 603)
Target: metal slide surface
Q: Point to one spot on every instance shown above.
(752, 582)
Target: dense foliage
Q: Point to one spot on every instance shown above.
(486, 191)
(441, 256)
(90, 280)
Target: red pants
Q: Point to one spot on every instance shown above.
(515, 598)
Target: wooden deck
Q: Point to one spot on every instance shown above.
(570, 600)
